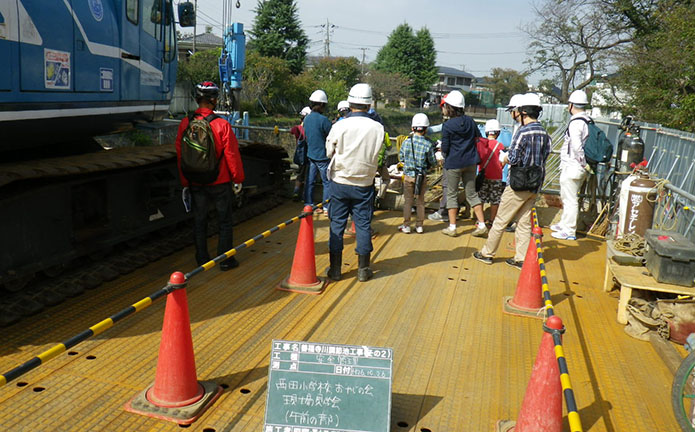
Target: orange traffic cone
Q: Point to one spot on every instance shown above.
(350, 232)
(541, 409)
(302, 278)
(176, 394)
(528, 299)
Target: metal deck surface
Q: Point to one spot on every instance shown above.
(460, 364)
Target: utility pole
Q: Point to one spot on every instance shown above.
(195, 20)
(327, 41)
(363, 56)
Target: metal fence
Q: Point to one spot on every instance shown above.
(670, 154)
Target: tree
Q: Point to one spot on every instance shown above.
(504, 83)
(426, 61)
(659, 70)
(387, 85)
(346, 69)
(277, 32)
(265, 80)
(410, 55)
(576, 40)
(201, 66)
(638, 15)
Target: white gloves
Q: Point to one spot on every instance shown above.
(504, 157)
(186, 198)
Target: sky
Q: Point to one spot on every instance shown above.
(475, 36)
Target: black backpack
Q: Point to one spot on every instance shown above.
(199, 162)
(597, 147)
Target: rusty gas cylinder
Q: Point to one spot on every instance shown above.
(638, 211)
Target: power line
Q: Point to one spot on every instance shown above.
(508, 35)
(200, 12)
(483, 53)
(357, 45)
(505, 35)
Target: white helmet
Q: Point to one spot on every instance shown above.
(578, 97)
(343, 105)
(420, 120)
(360, 94)
(319, 96)
(455, 99)
(305, 111)
(530, 99)
(514, 102)
(492, 126)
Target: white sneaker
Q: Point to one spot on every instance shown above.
(405, 229)
(563, 235)
(479, 231)
(419, 230)
(450, 232)
(435, 217)
(556, 227)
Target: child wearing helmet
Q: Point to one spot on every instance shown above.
(300, 154)
(343, 110)
(491, 167)
(417, 154)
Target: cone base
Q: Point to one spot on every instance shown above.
(510, 308)
(314, 288)
(505, 426)
(182, 415)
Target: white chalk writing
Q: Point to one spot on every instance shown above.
(636, 200)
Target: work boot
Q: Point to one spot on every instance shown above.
(364, 273)
(228, 264)
(333, 272)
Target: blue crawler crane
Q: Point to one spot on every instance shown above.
(82, 68)
(71, 213)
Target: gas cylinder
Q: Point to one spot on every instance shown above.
(637, 198)
(630, 146)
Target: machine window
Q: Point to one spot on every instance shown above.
(131, 10)
(152, 11)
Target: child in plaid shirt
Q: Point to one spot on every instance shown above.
(417, 155)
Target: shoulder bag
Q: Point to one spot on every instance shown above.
(525, 178)
(419, 172)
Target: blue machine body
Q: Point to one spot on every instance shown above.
(231, 63)
(233, 58)
(83, 67)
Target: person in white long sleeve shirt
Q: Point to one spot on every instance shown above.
(353, 144)
(573, 166)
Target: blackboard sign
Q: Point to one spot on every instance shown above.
(318, 387)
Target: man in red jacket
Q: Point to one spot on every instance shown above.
(220, 191)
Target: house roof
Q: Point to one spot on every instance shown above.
(203, 39)
(443, 70)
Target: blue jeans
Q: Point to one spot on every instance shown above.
(317, 167)
(357, 201)
(201, 197)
